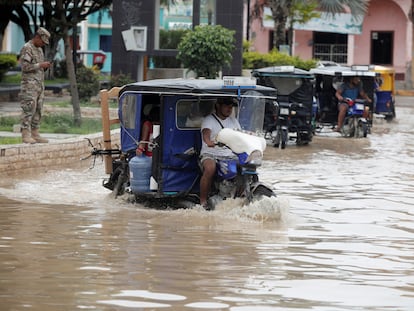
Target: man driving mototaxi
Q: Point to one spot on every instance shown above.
(351, 89)
(210, 152)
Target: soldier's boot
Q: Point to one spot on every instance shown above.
(36, 136)
(26, 138)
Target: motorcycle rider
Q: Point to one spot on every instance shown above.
(210, 152)
(351, 89)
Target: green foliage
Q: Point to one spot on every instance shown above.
(303, 11)
(120, 80)
(169, 40)
(88, 83)
(246, 46)
(10, 140)
(6, 123)
(254, 60)
(12, 79)
(207, 49)
(7, 61)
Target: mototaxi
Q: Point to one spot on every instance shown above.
(385, 92)
(295, 89)
(327, 80)
(173, 171)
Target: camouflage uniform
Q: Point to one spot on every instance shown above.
(32, 85)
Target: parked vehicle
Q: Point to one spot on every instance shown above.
(385, 93)
(171, 176)
(327, 81)
(295, 89)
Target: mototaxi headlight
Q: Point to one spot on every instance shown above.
(293, 112)
(255, 158)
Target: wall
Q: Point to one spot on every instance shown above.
(383, 15)
(27, 158)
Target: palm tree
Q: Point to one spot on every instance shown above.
(409, 79)
(282, 9)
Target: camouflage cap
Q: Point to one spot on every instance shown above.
(44, 35)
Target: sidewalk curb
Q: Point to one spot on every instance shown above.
(405, 92)
(22, 158)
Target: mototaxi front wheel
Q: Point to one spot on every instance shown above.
(284, 138)
(263, 191)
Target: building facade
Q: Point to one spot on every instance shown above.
(94, 34)
(139, 26)
(383, 37)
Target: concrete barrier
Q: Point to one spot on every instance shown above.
(30, 158)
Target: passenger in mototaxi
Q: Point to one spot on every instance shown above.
(146, 132)
(351, 89)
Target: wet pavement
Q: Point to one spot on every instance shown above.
(339, 236)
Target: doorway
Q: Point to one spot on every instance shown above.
(382, 47)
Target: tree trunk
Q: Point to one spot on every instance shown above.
(73, 84)
(410, 83)
(280, 11)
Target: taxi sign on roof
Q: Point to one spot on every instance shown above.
(284, 68)
(361, 67)
(232, 81)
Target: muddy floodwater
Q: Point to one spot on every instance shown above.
(339, 236)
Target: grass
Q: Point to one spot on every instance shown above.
(68, 104)
(16, 78)
(10, 140)
(58, 124)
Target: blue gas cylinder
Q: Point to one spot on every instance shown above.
(140, 173)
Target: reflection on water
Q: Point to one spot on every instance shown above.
(338, 237)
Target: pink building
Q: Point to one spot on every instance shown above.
(383, 36)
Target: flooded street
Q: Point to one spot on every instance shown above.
(340, 236)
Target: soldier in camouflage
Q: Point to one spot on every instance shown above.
(32, 86)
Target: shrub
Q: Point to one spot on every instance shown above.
(120, 80)
(88, 83)
(7, 61)
(254, 60)
(206, 49)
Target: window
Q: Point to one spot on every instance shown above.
(129, 107)
(105, 43)
(207, 12)
(190, 113)
(330, 47)
(173, 20)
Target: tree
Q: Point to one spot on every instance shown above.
(409, 80)
(282, 10)
(207, 49)
(59, 17)
(301, 12)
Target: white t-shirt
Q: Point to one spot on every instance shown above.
(210, 122)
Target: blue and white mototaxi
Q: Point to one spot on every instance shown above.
(171, 177)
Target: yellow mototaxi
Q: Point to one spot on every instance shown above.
(385, 92)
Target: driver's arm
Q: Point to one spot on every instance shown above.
(206, 137)
(338, 95)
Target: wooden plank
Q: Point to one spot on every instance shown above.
(105, 95)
